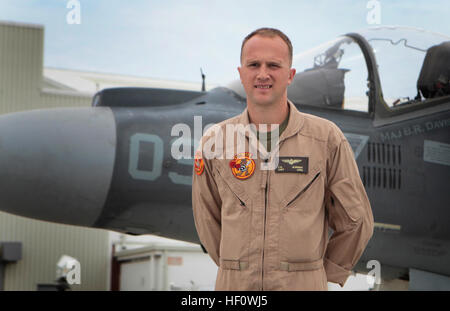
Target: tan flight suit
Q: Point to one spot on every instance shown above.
(270, 231)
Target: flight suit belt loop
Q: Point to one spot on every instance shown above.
(233, 264)
(301, 266)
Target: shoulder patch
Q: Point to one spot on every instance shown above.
(199, 164)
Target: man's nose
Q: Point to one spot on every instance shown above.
(263, 73)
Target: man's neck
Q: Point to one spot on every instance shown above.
(270, 114)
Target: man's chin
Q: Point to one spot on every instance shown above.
(263, 101)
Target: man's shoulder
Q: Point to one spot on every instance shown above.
(321, 129)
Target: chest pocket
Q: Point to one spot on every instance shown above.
(302, 220)
(310, 187)
(235, 220)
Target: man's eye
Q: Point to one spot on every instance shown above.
(274, 66)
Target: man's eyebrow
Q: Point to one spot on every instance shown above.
(272, 61)
(275, 60)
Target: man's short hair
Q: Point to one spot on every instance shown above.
(269, 32)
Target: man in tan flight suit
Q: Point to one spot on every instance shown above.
(267, 229)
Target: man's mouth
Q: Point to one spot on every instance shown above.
(263, 86)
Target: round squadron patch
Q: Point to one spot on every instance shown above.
(199, 165)
(242, 166)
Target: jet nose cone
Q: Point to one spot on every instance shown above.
(56, 164)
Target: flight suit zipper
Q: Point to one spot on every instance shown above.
(264, 228)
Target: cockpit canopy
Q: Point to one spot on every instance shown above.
(335, 74)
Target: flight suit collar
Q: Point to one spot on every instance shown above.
(295, 124)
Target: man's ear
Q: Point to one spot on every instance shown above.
(291, 75)
(239, 70)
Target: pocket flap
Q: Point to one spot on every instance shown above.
(301, 187)
(237, 189)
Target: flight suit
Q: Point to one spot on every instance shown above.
(269, 230)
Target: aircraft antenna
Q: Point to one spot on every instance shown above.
(203, 80)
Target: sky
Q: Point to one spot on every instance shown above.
(173, 39)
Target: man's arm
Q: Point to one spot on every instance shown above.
(206, 205)
(349, 212)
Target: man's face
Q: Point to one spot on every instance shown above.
(265, 69)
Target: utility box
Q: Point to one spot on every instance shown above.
(165, 268)
(10, 251)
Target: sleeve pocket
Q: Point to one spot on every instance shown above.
(346, 202)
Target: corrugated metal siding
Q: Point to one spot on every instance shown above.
(59, 100)
(21, 63)
(43, 243)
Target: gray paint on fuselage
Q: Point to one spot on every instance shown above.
(357, 142)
